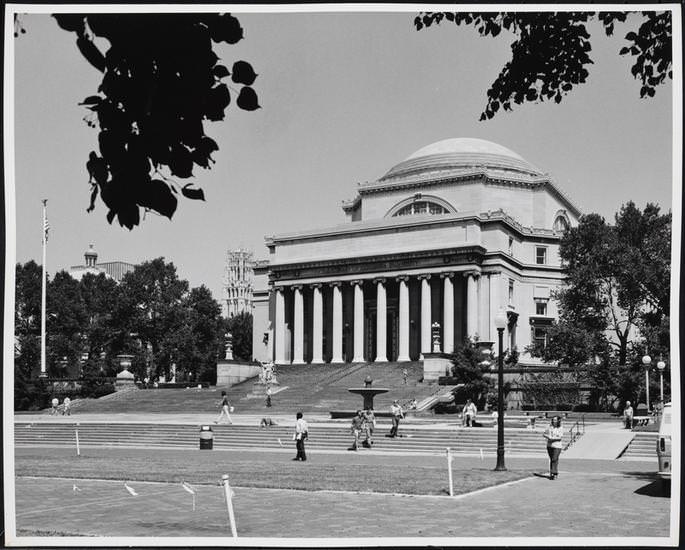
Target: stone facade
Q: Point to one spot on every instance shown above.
(238, 282)
(457, 231)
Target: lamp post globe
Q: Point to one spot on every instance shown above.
(500, 324)
(646, 361)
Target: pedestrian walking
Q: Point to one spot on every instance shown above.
(628, 416)
(369, 426)
(397, 415)
(67, 407)
(300, 436)
(268, 396)
(356, 429)
(469, 413)
(55, 404)
(553, 434)
(225, 409)
(405, 375)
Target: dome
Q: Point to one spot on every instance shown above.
(462, 154)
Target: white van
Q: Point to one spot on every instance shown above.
(663, 444)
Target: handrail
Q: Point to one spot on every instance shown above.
(576, 431)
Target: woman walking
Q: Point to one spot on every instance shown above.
(225, 409)
(553, 435)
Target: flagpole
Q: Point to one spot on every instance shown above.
(43, 371)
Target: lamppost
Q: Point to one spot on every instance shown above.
(500, 323)
(661, 366)
(646, 361)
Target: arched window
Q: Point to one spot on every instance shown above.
(421, 207)
(561, 224)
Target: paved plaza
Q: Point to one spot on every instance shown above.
(585, 501)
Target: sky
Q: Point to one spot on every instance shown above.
(344, 97)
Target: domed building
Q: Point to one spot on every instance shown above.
(438, 245)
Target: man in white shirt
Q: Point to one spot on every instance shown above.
(397, 415)
(469, 413)
(301, 434)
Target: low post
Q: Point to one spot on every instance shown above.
(78, 447)
(449, 470)
(229, 505)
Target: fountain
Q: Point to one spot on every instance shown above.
(367, 392)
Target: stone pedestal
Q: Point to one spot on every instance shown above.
(124, 380)
(435, 365)
(229, 372)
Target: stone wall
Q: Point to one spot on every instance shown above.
(229, 373)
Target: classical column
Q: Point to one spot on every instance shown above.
(298, 329)
(337, 324)
(279, 331)
(448, 314)
(381, 320)
(471, 304)
(404, 320)
(358, 322)
(425, 314)
(317, 325)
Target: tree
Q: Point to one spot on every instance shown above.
(240, 327)
(27, 319)
(200, 339)
(161, 82)
(615, 300)
(65, 319)
(151, 305)
(551, 52)
(471, 367)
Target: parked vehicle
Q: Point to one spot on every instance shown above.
(663, 444)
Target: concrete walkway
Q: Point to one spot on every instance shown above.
(601, 441)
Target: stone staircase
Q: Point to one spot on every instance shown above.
(643, 445)
(310, 388)
(322, 437)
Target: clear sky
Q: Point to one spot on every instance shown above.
(344, 97)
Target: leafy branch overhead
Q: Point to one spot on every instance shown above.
(161, 81)
(552, 51)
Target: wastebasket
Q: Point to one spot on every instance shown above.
(206, 437)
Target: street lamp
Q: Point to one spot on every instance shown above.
(646, 361)
(661, 366)
(500, 323)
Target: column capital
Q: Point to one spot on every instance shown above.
(357, 282)
(279, 288)
(445, 274)
(472, 273)
(296, 287)
(404, 278)
(423, 276)
(380, 280)
(334, 283)
(315, 285)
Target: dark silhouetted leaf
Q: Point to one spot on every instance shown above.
(220, 71)
(157, 195)
(71, 22)
(247, 99)
(91, 100)
(195, 194)
(243, 73)
(90, 51)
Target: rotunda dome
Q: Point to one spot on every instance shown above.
(462, 154)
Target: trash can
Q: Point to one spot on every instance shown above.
(206, 437)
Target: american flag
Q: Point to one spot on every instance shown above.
(46, 228)
(46, 224)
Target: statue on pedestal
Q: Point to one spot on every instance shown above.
(229, 346)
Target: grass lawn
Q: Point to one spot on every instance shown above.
(342, 472)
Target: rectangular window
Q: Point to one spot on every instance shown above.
(540, 338)
(541, 307)
(511, 291)
(541, 255)
(511, 246)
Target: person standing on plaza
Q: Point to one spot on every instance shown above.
(628, 416)
(67, 407)
(405, 375)
(553, 435)
(225, 409)
(300, 435)
(55, 404)
(469, 413)
(356, 429)
(397, 415)
(268, 396)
